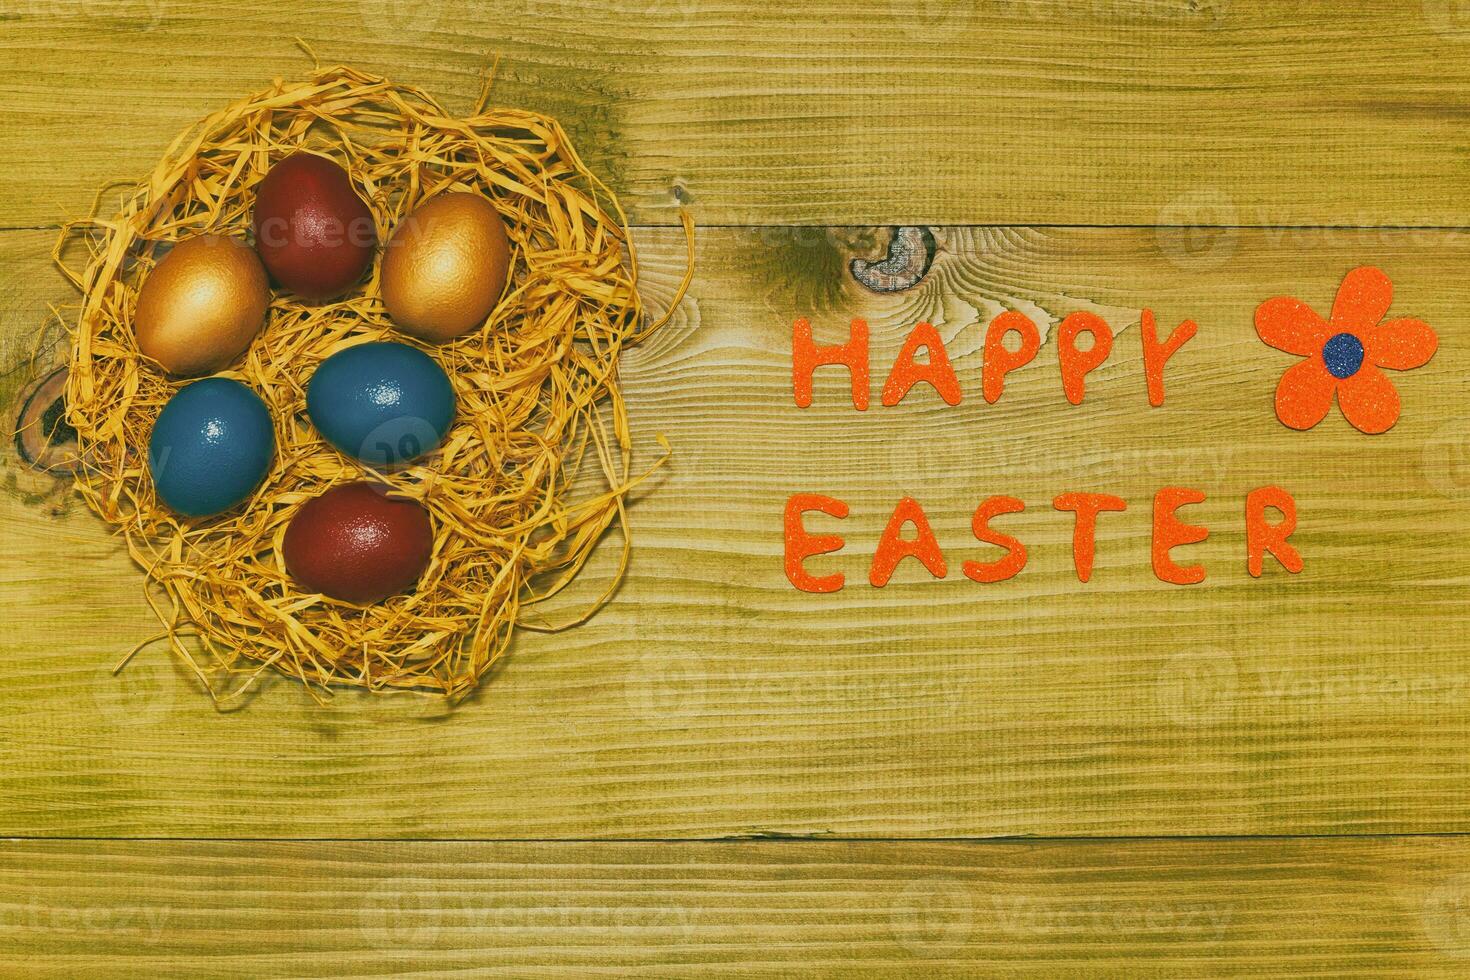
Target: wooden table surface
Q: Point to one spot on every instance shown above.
(720, 774)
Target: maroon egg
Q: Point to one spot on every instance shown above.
(313, 232)
(357, 544)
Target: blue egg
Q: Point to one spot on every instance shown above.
(383, 403)
(211, 447)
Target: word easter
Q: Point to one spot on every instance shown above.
(1262, 535)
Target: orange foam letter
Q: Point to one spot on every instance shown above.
(1156, 355)
(907, 372)
(1076, 363)
(1170, 532)
(892, 549)
(999, 361)
(800, 545)
(1084, 532)
(1261, 537)
(1015, 558)
(806, 357)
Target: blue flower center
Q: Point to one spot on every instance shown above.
(1343, 355)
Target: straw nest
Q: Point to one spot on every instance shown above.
(536, 386)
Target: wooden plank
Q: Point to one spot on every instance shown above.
(713, 699)
(1369, 907)
(1174, 112)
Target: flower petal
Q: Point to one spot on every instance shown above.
(1362, 300)
(1304, 394)
(1369, 400)
(1401, 344)
(1289, 324)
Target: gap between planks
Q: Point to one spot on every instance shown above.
(756, 839)
(1013, 225)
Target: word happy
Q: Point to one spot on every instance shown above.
(938, 373)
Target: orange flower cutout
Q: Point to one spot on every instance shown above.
(1346, 355)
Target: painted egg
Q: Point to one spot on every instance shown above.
(357, 544)
(211, 447)
(383, 403)
(202, 305)
(445, 267)
(312, 230)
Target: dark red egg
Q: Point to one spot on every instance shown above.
(312, 230)
(357, 544)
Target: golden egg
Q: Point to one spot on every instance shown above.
(202, 305)
(445, 267)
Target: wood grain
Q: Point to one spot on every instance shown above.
(1156, 112)
(712, 699)
(1368, 908)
